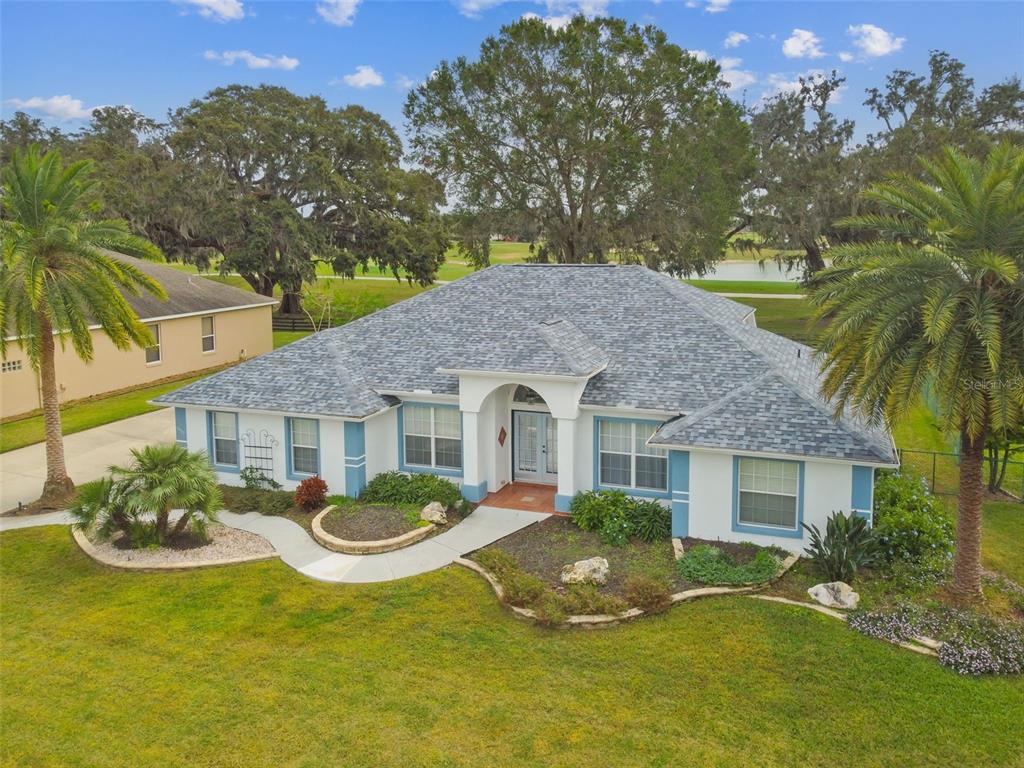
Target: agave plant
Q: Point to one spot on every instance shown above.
(848, 544)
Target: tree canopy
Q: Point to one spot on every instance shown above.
(599, 137)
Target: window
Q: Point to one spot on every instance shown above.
(305, 442)
(225, 438)
(153, 352)
(626, 461)
(209, 341)
(524, 394)
(433, 436)
(769, 491)
(11, 365)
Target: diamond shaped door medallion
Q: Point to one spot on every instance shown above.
(502, 436)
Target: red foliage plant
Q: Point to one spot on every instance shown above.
(311, 493)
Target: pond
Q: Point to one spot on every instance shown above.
(769, 271)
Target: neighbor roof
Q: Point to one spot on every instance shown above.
(645, 341)
(187, 293)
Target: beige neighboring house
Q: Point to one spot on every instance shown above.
(203, 324)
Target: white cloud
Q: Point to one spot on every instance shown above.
(735, 39)
(365, 76)
(717, 6)
(788, 83)
(218, 10)
(874, 41)
(59, 107)
(404, 82)
(699, 54)
(802, 44)
(737, 78)
(340, 13)
(558, 12)
(251, 60)
(846, 56)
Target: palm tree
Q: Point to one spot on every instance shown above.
(58, 277)
(937, 297)
(137, 500)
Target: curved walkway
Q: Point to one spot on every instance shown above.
(297, 548)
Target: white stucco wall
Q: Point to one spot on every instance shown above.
(827, 488)
(381, 432)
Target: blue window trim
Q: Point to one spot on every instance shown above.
(647, 493)
(233, 468)
(767, 530)
(421, 468)
(290, 473)
(181, 427)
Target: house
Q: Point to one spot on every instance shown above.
(578, 377)
(203, 324)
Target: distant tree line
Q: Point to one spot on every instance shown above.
(599, 141)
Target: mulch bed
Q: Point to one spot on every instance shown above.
(370, 522)
(544, 548)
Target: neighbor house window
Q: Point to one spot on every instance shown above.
(769, 492)
(225, 438)
(11, 365)
(209, 341)
(305, 442)
(626, 461)
(153, 352)
(433, 436)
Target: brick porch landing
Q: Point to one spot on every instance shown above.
(531, 497)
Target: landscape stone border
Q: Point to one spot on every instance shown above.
(610, 620)
(88, 548)
(366, 547)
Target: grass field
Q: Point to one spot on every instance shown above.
(86, 414)
(257, 666)
(786, 317)
(746, 286)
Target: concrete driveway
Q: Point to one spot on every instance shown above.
(88, 454)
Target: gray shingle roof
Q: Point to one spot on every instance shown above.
(656, 343)
(186, 293)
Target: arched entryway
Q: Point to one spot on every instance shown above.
(534, 453)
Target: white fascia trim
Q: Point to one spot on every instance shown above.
(265, 412)
(519, 374)
(404, 394)
(771, 455)
(200, 313)
(627, 411)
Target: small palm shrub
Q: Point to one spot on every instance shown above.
(311, 494)
(847, 544)
(137, 500)
(647, 594)
(910, 524)
(705, 564)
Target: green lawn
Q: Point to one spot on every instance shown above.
(746, 286)
(787, 317)
(287, 337)
(1003, 538)
(255, 665)
(86, 414)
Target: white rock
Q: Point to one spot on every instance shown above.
(835, 594)
(434, 513)
(591, 571)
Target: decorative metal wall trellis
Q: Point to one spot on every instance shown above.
(258, 451)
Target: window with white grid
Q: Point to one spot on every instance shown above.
(769, 492)
(626, 461)
(433, 436)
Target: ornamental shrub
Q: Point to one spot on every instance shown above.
(847, 545)
(705, 564)
(647, 594)
(588, 600)
(255, 479)
(910, 524)
(387, 488)
(311, 494)
(590, 510)
(651, 520)
(397, 488)
(549, 609)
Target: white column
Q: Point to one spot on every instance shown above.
(474, 484)
(566, 463)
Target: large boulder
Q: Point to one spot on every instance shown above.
(594, 570)
(434, 513)
(835, 594)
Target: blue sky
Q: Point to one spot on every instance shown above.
(59, 59)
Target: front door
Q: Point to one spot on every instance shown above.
(535, 441)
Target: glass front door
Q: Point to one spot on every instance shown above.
(535, 454)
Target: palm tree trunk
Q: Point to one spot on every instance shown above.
(966, 585)
(57, 484)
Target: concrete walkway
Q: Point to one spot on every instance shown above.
(87, 453)
(297, 548)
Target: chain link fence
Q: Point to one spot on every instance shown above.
(942, 472)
